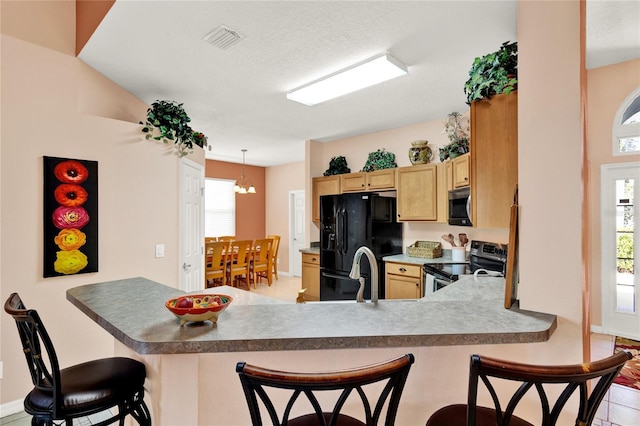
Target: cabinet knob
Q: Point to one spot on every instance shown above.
(403, 269)
(417, 284)
(313, 259)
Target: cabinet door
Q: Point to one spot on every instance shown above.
(494, 160)
(311, 275)
(460, 171)
(443, 191)
(353, 182)
(325, 185)
(417, 193)
(397, 287)
(381, 179)
(311, 281)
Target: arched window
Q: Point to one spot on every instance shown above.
(626, 127)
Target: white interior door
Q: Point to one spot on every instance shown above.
(296, 234)
(191, 219)
(620, 187)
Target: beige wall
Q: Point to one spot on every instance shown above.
(46, 97)
(281, 180)
(608, 87)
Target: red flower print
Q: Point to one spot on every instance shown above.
(71, 171)
(70, 195)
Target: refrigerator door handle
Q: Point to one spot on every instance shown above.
(345, 231)
(340, 277)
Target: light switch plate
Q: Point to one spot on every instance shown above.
(159, 250)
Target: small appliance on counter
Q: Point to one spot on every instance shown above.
(484, 257)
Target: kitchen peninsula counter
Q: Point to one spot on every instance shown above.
(468, 312)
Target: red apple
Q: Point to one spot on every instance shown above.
(185, 302)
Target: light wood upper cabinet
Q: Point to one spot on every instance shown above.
(324, 185)
(494, 160)
(371, 181)
(417, 193)
(460, 171)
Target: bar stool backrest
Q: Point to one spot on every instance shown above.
(257, 381)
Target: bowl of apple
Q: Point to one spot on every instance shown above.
(198, 307)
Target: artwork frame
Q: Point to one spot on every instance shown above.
(70, 216)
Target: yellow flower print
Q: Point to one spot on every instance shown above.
(70, 239)
(70, 262)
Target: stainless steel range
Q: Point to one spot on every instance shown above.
(484, 258)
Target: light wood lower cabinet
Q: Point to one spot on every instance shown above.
(403, 281)
(311, 276)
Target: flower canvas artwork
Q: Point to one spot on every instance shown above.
(70, 216)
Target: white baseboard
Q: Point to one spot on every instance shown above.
(12, 407)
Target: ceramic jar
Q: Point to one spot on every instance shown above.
(420, 153)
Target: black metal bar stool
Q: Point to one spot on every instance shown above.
(256, 381)
(572, 379)
(79, 390)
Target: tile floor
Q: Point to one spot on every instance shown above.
(621, 406)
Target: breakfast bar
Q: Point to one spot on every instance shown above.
(469, 312)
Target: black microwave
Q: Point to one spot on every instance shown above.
(460, 207)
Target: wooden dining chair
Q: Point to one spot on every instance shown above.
(273, 258)
(227, 238)
(491, 371)
(353, 384)
(238, 264)
(260, 260)
(215, 264)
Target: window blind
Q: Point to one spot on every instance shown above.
(219, 207)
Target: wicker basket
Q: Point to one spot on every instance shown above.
(426, 249)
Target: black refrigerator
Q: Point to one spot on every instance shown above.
(348, 222)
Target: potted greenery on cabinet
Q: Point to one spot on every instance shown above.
(493, 74)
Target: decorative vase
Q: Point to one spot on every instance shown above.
(420, 153)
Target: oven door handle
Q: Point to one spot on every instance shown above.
(441, 281)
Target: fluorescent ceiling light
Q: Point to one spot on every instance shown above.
(372, 71)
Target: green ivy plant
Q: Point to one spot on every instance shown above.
(380, 159)
(337, 166)
(168, 121)
(493, 74)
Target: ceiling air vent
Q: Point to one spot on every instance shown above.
(223, 37)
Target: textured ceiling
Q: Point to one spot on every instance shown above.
(236, 96)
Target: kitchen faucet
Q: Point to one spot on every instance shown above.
(355, 273)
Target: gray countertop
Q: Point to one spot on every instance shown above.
(469, 311)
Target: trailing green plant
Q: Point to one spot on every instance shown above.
(168, 121)
(380, 159)
(493, 74)
(457, 129)
(337, 166)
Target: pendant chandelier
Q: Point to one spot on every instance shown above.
(243, 185)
